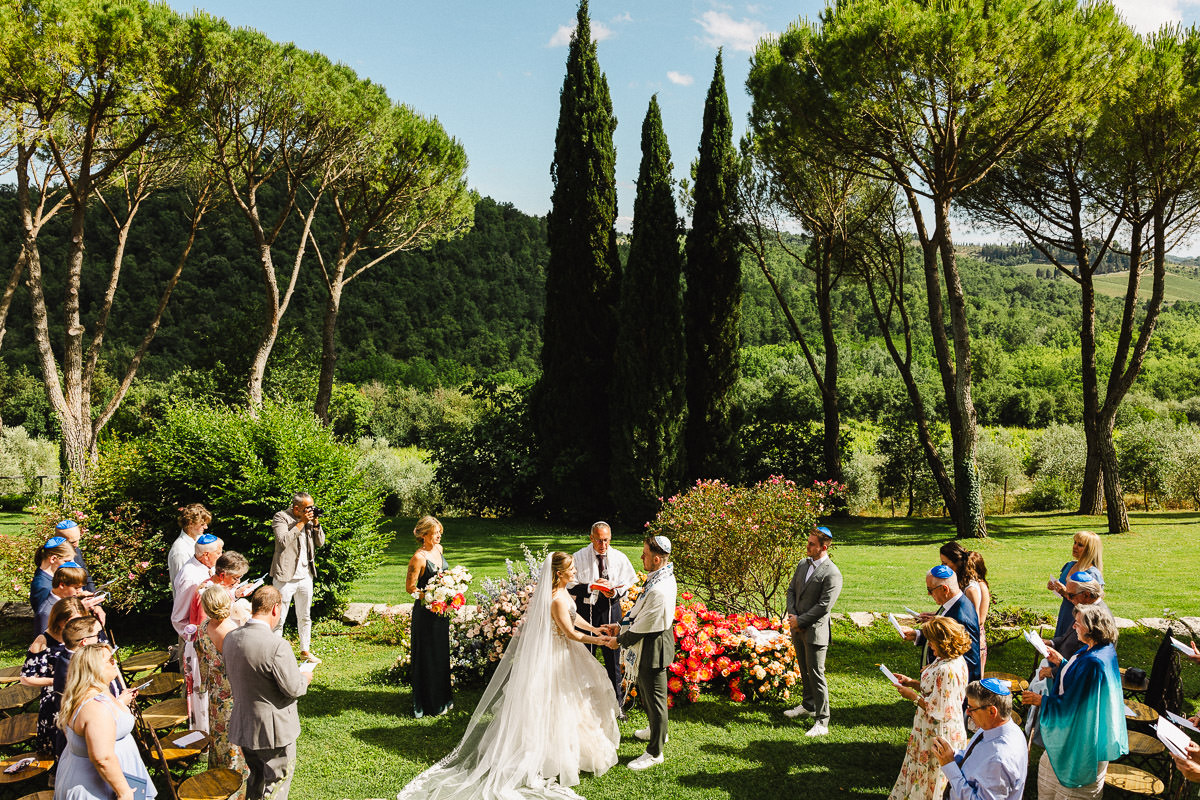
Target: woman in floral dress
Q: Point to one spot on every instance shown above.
(939, 695)
(38, 669)
(217, 603)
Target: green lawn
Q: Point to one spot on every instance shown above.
(360, 741)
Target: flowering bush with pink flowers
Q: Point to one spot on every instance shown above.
(741, 656)
(738, 545)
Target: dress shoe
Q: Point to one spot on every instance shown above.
(818, 730)
(645, 761)
(798, 711)
(309, 657)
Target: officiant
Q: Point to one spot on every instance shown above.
(603, 576)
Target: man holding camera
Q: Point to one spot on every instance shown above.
(298, 535)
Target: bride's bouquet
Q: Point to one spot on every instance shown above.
(446, 591)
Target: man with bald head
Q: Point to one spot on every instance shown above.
(1081, 589)
(942, 585)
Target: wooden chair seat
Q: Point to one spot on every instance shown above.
(213, 784)
(17, 696)
(1142, 712)
(45, 794)
(1019, 684)
(145, 662)
(167, 714)
(1143, 745)
(1134, 686)
(10, 674)
(18, 729)
(1132, 780)
(32, 771)
(173, 752)
(161, 683)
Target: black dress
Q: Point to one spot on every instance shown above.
(430, 673)
(42, 665)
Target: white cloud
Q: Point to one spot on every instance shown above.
(623, 17)
(1147, 16)
(680, 78)
(562, 36)
(722, 30)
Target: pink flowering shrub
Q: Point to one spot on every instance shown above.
(738, 545)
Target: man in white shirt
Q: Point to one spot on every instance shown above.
(193, 520)
(298, 536)
(600, 565)
(195, 571)
(994, 764)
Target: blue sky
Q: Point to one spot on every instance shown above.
(491, 71)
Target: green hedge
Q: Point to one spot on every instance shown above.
(243, 469)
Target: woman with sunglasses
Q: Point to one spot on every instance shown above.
(101, 761)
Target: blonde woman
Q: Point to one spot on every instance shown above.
(1087, 553)
(430, 672)
(101, 759)
(218, 605)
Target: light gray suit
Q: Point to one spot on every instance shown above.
(266, 681)
(812, 601)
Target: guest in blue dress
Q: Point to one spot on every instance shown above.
(1082, 714)
(1086, 556)
(102, 759)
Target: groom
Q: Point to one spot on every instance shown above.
(648, 635)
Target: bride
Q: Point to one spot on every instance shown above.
(548, 713)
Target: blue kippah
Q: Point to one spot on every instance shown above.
(1081, 577)
(206, 538)
(70, 564)
(54, 541)
(66, 523)
(995, 686)
(824, 531)
(941, 571)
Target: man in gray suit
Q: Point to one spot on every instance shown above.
(814, 589)
(298, 536)
(266, 680)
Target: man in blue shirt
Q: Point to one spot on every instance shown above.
(994, 764)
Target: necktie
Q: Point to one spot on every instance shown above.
(602, 565)
(966, 755)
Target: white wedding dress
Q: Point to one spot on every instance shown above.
(548, 714)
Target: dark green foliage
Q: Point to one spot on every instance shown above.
(790, 449)
(712, 301)
(244, 469)
(582, 285)
(487, 466)
(647, 395)
(1048, 494)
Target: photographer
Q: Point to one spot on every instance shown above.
(298, 535)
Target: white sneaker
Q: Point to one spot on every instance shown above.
(644, 735)
(645, 761)
(818, 730)
(798, 711)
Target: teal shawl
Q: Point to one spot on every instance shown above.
(1086, 723)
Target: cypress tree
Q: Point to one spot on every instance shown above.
(582, 283)
(712, 301)
(648, 373)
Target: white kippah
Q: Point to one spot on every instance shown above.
(663, 543)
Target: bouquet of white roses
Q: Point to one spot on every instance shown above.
(446, 591)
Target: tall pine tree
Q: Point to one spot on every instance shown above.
(582, 284)
(648, 373)
(712, 302)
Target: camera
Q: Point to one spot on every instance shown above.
(317, 511)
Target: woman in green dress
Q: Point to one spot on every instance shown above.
(218, 603)
(430, 672)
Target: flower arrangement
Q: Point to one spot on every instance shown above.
(743, 656)
(501, 604)
(446, 591)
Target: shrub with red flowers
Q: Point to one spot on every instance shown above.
(738, 545)
(742, 656)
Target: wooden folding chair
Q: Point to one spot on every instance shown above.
(18, 730)
(151, 661)
(10, 674)
(14, 699)
(161, 685)
(38, 767)
(213, 784)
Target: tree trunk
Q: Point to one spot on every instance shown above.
(10, 289)
(1090, 494)
(329, 348)
(1004, 502)
(829, 393)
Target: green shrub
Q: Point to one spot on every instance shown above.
(243, 469)
(22, 459)
(1048, 494)
(402, 475)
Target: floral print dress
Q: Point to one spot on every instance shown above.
(220, 706)
(41, 665)
(944, 684)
